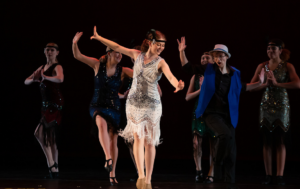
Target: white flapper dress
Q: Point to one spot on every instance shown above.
(143, 105)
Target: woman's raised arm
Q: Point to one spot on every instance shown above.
(92, 62)
(116, 47)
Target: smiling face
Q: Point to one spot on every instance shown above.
(115, 56)
(206, 59)
(273, 51)
(50, 51)
(220, 58)
(157, 47)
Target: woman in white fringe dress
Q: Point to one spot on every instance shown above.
(143, 106)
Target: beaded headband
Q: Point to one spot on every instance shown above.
(151, 35)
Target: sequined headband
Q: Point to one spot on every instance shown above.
(51, 46)
(275, 44)
(110, 50)
(151, 35)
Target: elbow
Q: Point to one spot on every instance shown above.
(26, 82)
(75, 56)
(187, 98)
(60, 80)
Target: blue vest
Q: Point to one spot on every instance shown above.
(208, 90)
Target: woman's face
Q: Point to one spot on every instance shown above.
(220, 58)
(157, 47)
(273, 51)
(206, 59)
(51, 53)
(115, 56)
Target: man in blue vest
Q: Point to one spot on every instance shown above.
(219, 105)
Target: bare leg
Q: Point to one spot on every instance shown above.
(114, 152)
(139, 154)
(267, 153)
(103, 136)
(130, 147)
(213, 143)
(54, 153)
(150, 152)
(197, 145)
(281, 155)
(47, 149)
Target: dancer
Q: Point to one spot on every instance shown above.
(49, 77)
(125, 89)
(218, 104)
(198, 125)
(199, 128)
(275, 107)
(143, 107)
(105, 104)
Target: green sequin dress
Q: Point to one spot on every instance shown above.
(275, 106)
(198, 125)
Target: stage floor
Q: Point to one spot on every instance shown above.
(168, 174)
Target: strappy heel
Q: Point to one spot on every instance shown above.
(279, 180)
(199, 176)
(113, 182)
(140, 183)
(52, 175)
(107, 166)
(207, 180)
(267, 180)
(148, 186)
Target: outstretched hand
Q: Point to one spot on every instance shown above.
(95, 33)
(180, 86)
(77, 37)
(181, 44)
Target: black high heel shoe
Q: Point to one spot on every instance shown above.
(207, 180)
(107, 166)
(52, 175)
(268, 180)
(279, 180)
(199, 176)
(113, 183)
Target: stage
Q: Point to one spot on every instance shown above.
(168, 174)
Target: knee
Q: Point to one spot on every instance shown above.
(37, 135)
(149, 146)
(101, 126)
(195, 144)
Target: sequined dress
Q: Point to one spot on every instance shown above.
(275, 107)
(198, 125)
(52, 104)
(143, 105)
(105, 101)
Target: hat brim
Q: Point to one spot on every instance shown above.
(219, 50)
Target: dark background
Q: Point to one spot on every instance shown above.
(244, 26)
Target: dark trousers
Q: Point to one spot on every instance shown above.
(226, 149)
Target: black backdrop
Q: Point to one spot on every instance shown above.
(243, 26)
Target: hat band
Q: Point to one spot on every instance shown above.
(217, 49)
